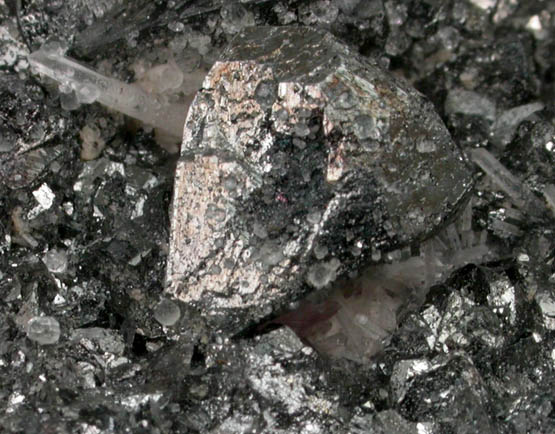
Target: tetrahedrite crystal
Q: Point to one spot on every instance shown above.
(297, 146)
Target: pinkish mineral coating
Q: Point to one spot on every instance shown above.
(359, 315)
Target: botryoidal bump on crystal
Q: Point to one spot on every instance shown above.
(300, 161)
(166, 312)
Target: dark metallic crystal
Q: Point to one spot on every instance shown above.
(296, 143)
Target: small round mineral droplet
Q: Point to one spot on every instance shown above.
(356, 250)
(314, 217)
(323, 273)
(345, 100)
(259, 230)
(282, 115)
(43, 330)
(361, 319)
(56, 261)
(215, 270)
(320, 251)
(215, 214)
(365, 127)
(302, 130)
(265, 93)
(69, 101)
(230, 183)
(176, 26)
(271, 254)
(167, 312)
(301, 144)
(87, 93)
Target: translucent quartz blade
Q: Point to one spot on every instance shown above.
(91, 86)
(521, 196)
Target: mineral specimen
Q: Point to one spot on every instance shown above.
(477, 357)
(56, 261)
(299, 160)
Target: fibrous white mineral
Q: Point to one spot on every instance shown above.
(360, 314)
(90, 86)
(519, 194)
(506, 123)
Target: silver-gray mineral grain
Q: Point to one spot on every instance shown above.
(377, 168)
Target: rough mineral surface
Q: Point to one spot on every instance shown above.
(86, 241)
(295, 146)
